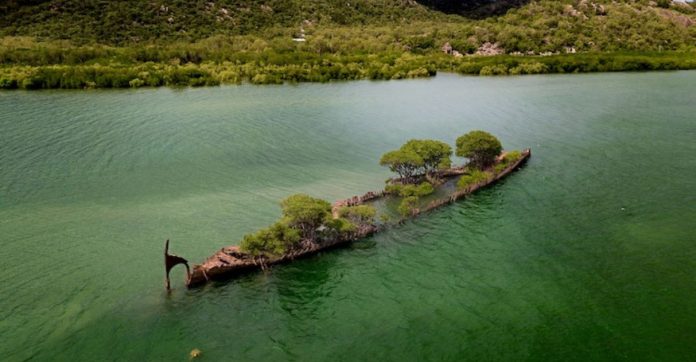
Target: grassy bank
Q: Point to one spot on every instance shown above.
(263, 70)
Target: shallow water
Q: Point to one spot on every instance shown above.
(589, 252)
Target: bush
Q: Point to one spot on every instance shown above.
(509, 158)
(498, 69)
(529, 68)
(474, 177)
(8, 83)
(136, 83)
(305, 213)
(408, 205)
(340, 227)
(360, 214)
(512, 156)
(422, 189)
(274, 240)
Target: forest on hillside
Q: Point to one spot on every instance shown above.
(93, 43)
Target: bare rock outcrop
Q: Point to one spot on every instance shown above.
(489, 49)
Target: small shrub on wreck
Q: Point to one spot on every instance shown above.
(408, 206)
(475, 176)
(499, 167)
(360, 214)
(274, 240)
(339, 227)
(509, 158)
(512, 156)
(422, 189)
(384, 218)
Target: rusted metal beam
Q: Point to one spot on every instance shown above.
(170, 261)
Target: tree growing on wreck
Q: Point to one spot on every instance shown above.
(417, 158)
(305, 213)
(435, 154)
(480, 147)
(406, 163)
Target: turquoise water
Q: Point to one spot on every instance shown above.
(588, 253)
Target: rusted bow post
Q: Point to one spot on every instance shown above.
(171, 261)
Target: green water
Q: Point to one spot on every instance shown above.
(588, 253)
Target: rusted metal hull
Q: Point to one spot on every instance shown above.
(229, 261)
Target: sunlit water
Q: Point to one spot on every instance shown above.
(588, 253)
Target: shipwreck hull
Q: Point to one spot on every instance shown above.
(229, 262)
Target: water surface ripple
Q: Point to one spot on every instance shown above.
(588, 253)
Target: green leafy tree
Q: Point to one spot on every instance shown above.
(305, 213)
(418, 157)
(406, 163)
(481, 148)
(435, 154)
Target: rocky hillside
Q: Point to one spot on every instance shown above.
(138, 20)
(514, 25)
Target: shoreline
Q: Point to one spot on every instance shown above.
(330, 68)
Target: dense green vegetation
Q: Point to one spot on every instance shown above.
(91, 43)
(405, 190)
(408, 206)
(474, 177)
(305, 213)
(358, 214)
(508, 159)
(274, 240)
(417, 158)
(435, 154)
(542, 25)
(415, 161)
(132, 21)
(480, 147)
(305, 220)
